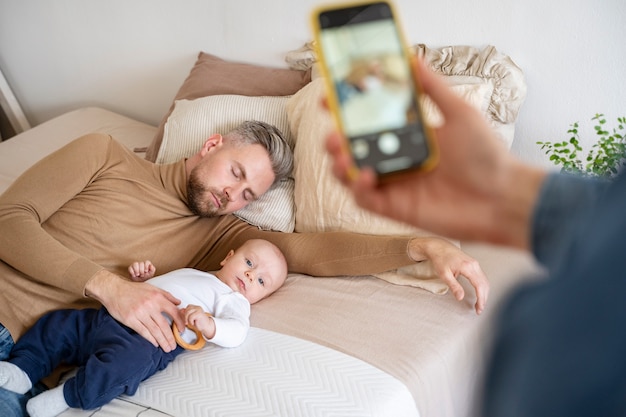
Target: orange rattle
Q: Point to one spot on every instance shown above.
(198, 344)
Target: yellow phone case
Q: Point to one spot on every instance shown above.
(333, 101)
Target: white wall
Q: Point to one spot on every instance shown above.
(132, 55)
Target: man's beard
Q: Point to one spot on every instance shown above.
(198, 202)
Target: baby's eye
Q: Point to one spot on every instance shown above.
(249, 263)
(261, 281)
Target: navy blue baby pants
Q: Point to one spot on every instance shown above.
(112, 358)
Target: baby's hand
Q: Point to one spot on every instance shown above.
(141, 271)
(196, 317)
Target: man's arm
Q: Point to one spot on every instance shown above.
(26, 245)
(343, 253)
(35, 196)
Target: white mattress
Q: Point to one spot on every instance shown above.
(271, 375)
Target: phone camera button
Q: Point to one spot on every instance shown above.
(388, 143)
(360, 148)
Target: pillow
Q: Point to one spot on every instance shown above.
(461, 65)
(212, 76)
(478, 95)
(193, 121)
(323, 204)
(321, 201)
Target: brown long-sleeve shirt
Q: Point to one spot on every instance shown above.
(95, 205)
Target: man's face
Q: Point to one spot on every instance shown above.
(228, 178)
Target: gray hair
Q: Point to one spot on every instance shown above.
(253, 132)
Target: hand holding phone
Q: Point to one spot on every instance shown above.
(372, 90)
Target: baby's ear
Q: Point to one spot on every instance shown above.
(230, 253)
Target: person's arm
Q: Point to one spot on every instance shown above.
(138, 305)
(35, 196)
(196, 317)
(478, 191)
(26, 245)
(563, 201)
(228, 327)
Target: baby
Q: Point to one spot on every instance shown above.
(113, 359)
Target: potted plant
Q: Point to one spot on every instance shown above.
(605, 158)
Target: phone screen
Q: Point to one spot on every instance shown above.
(374, 89)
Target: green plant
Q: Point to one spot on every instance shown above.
(605, 158)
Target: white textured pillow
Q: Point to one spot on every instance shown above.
(323, 204)
(193, 121)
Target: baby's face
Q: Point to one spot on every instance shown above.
(255, 270)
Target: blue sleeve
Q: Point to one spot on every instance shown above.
(560, 343)
(563, 201)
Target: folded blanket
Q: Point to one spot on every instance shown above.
(420, 275)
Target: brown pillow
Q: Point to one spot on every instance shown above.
(211, 75)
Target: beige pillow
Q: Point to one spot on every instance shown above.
(323, 204)
(193, 121)
(211, 75)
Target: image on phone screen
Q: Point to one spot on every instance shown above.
(374, 87)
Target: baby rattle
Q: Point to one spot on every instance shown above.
(198, 344)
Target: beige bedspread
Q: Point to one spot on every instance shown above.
(434, 344)
(22, 151)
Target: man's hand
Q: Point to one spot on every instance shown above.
(139, 306)
(450, 263)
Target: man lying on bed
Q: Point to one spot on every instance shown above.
(73, 221)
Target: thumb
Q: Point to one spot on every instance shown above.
(436, 88)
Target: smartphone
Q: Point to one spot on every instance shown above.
(372, 90)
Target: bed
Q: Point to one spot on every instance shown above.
(395, 344)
